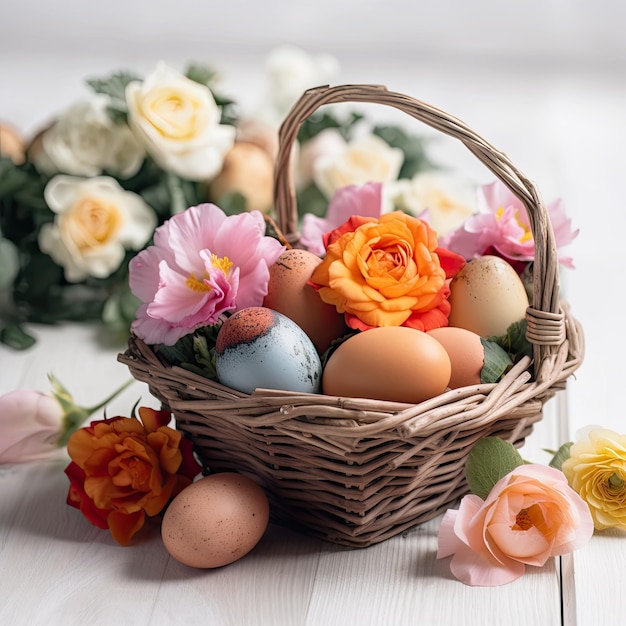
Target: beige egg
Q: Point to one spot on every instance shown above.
(249, 170)
(392, 363)
(216, 520)
(289, 294)
(466, 352)
(487, 296)
(11, 143)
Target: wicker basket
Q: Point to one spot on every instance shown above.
(357, 471)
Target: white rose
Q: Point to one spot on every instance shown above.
(367, 159)
(328, 144)
(178, 121)
(291, 71)
(96, 221)
(448, 200)
(84, 141)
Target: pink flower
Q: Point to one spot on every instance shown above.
(530, 515)
(202, 264)
(364, 200)
(36, 425)
(31, 423)
(502, 225)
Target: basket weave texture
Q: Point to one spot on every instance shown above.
(357, 471)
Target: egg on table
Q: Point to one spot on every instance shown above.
(216, 520)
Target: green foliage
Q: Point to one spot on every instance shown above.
(490, 460)
(514, 341)
(497, 362)
(14, 336)
(323, 119)
(114, 86)
(561, 455)
(415, 156)
(194, 352)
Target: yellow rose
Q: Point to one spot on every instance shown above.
(387, 272)
(596, 469)
(178, 121)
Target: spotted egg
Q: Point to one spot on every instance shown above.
(258, 347)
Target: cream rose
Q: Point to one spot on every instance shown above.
(84, 141)
(96, 221)
(366, 159)
(178, 121)
(448, 201)
(290, 72)
(596, 469)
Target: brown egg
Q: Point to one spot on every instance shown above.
(215, 520)
(466, 353)
(388, 363)
(248, 170)
(289, 294)
(11, 143)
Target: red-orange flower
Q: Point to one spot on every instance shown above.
(387, 271)
(124, 469)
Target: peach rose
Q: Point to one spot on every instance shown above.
(123, 470)
(530, 515)
(387, 271)
(596, 469)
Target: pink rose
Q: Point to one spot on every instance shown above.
(530, 515)
(36, 425)
(31, 424)
(364, 200)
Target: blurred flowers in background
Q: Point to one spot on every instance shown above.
(86, 193)
(82, 196)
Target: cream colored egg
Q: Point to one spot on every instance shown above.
(487, 296)
(215, 520)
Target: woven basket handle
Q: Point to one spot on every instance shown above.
(546, 327)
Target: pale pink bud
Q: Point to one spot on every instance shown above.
(31, 423)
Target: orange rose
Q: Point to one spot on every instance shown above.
(123, 470)
(387, 271)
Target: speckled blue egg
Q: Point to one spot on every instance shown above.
(258, 347)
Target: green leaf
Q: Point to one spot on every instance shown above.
(514, 341)
(489, 460)
(114, 86)
(415, 156)
(202, 74)
(561, 455)
(311, 200)
(14, 336)
(323, 119)
(497, 362)
(12, 177)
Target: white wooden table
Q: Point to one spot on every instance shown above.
(55, 568)
(563, 126)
